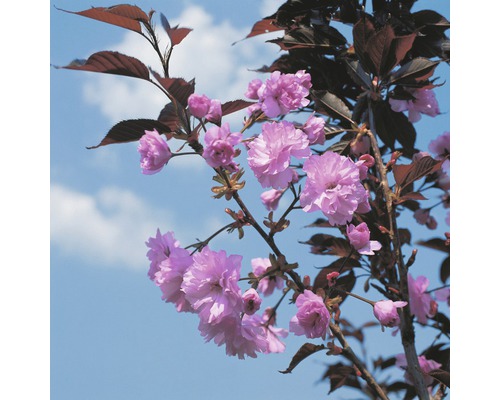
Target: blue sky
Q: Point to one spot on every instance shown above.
(111, 336)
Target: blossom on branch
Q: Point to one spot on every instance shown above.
(424, 102)
(219, 148)
(211, 285)
(359, 237)
(267, 284)
(314, 128)
(333, 186)
(312, 318)
(425, 365)
(421, 303)
(270, 198)
(270, 153)
(386, 312)
(280, 93)
(154, 152)
(169, 262)
(251, 301)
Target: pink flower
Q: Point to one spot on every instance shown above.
(314, 128)
(425, 365)
(440, 146)
(269, 283)
(443, 295)
(168, 264)
(214, 113)
(359, 237)
(312, 318)
(154, 152)
(360, 146)
(333, 186)
(386, 312)
(270, 153)
(211, 285)
(199, 105)
(253, 87)
(424, 102)
(274, 344)
(243, 336)
(281, 93)
(271, 198)
(251, 301)
(219, 147)
(420, 301)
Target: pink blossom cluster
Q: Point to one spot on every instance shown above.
(386, 311)
(154, 152)
(270, 153)
(333, 186)
(219, 150)
(202, 107)
(206, 283)
(422, 304)
(359, 238)
(280, 93)
(423, 102)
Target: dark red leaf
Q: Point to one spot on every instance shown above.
(410, 196)
(378, 49)
(416, 70)
(406, 174)
(362, 32)
(340, 375)
(305, 351)
(263, 26)
(178, 88)
(344, 282)
(327, 244)
(130, 131)
(326, 39)
(235, 105)
(112, 62)
(177, 35)
(329, 104)
(444, 272)
(124, 16)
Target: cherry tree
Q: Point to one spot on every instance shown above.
(331, 124)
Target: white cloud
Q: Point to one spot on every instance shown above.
(111, 228)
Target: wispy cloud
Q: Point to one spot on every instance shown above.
(111, 227)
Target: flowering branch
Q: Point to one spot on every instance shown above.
(351, 356)
(406, 325)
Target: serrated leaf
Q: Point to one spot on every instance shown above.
(406, 174)
(329, 104)
(178, 88)
(124, 15)
(130, 131)
(112, 62)
(417, 70)
(232, 106)
(305, 351)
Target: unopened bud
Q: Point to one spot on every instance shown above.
(332, 278)
(307, 280)
(368, 159)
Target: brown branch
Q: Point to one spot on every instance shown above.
(406, 325)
